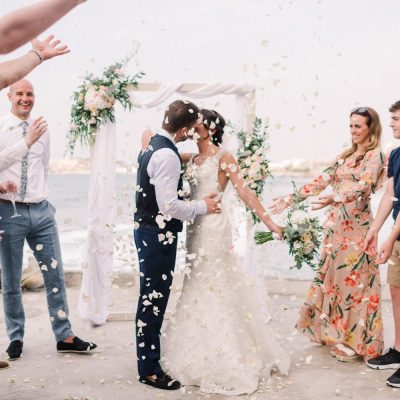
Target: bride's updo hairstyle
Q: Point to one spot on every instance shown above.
(215, 122)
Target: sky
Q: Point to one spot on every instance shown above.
(312, 61)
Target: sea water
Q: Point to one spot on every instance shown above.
(69, 194)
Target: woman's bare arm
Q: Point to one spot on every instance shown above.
(24, 24)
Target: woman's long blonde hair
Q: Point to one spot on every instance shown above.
(375, 132)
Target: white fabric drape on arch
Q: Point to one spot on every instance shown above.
(97, 258)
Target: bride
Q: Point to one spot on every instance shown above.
(218, 338)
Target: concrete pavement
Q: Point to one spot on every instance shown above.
(110, 373)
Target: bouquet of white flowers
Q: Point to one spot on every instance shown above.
(301, 231)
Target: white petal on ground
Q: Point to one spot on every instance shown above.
(308, 360)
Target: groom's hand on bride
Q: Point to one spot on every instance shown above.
(213, 203)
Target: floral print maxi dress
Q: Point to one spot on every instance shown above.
(343, 302)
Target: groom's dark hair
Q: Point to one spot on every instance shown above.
(180, 114)
(395, 107)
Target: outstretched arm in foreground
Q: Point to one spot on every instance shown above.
(24, 24)
(14, 70)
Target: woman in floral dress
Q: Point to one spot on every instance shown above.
(342, 307)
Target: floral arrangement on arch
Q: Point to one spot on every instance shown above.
(251, 157)
(93, 102)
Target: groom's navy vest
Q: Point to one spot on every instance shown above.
(146, 204)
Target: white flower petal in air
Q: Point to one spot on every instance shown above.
(395, 199)
(43, 267)
(325, 176)
(160, 221)
(164, 277)
(212, 125)
(341, 161)
(337, 199)
(233, 167)
(161, 237)
(54, 263)
(166, 120)
(141, 324)
(61, 314)
(55, 290)
(39, 247)
(191, 110)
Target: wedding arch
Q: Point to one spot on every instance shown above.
(98, 252)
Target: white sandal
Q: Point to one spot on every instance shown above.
(349, 353)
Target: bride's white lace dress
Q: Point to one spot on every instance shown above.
(218, 337)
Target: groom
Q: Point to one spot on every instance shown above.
(160, 210)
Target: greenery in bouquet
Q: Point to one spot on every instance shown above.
(252, 158)
(93, 102)
(302, 232)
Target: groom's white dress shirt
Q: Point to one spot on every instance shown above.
(164, 169)
(11, 138)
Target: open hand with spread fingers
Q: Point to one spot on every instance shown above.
(279, 204)
(322, 201)
(35, 131)
(49, 47)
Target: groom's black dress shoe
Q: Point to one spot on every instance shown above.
(162, 381)
(14, 350)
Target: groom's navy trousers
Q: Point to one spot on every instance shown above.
(156, 263)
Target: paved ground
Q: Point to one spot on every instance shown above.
(111, 373)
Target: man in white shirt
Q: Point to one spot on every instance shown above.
(160, 211)
(36, 224)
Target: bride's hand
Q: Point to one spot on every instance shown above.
(279, 204)
(278, 230)
(146, 137)
(322, 201)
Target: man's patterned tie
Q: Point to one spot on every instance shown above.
(24, 165)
